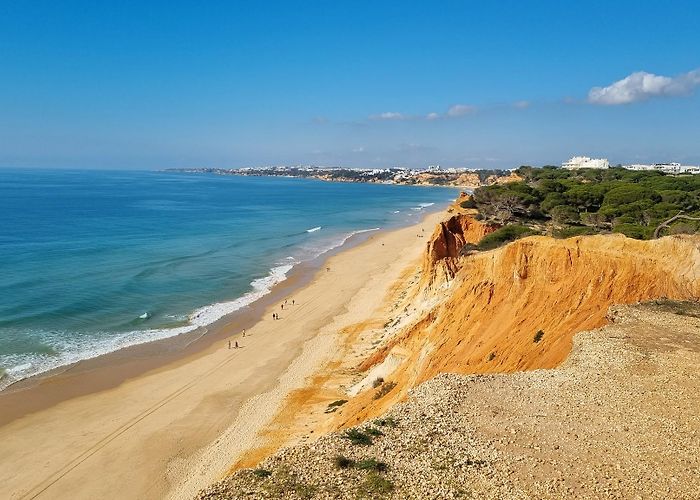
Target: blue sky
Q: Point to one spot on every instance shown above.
(477, 84)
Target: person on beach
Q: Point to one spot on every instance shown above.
(292, 301)
(229, 344)
(244, 332)
(282, 306)
(236, 345)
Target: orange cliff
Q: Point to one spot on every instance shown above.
(442, 256)
(480, 313)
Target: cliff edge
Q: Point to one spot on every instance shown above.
(617, 420)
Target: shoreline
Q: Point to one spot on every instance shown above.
(106, 383)
(136, 359)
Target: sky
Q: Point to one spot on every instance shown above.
(148, 85)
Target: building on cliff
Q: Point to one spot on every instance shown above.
(578, 162)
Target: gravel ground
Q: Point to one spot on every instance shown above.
(619, 419)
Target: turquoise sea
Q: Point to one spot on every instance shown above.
(93, 261)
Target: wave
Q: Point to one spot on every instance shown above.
(66, 349)
(21, 367)
(421, 206)
(313, 229)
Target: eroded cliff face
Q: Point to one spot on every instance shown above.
(442, 256)
(487, 318)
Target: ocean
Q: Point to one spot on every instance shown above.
(93, 261)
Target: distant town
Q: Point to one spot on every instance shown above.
(432, 175)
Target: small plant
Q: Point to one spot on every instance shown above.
(538, 336)
(492, 356)
(384, 389)
(335, 405)
(262, 473)
(377, 382)
(358, 437)
(385, 422)
(342, 462)
(372, 464)
(373, 431)
(375, 484)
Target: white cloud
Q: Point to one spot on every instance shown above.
(521, 104)
(460, 110)
(361, 149)
(389, 115)
(454, 111)
(640, 86)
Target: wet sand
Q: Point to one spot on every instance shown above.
(168, 418)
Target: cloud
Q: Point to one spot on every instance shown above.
(640, 86)
(389, 115)
(360, 149)
(454, 111)
(460, 110)
(521, 104)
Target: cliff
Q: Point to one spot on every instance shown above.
(617, 420)
(442, 256)
(517, 307)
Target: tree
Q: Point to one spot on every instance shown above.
(564, 214)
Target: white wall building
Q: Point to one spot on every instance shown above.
(578, 162)
(667, 168)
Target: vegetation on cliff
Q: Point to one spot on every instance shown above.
(565, 203)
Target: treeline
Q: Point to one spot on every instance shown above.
(567, 203)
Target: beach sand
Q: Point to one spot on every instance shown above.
(175, 428)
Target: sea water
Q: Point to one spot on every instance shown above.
(94, 261)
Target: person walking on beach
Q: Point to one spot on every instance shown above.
(229, 344)
(282, 306)
(244, 332)
(236, 345)
(292, 301)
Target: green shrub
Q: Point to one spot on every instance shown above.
(385, 422)
(504, 235)
(342, 462)
(371, 464)
(384, 389)
(373, 431)
(377, 382)
(564, 214)
(538, 336)
(468, 203)
(571, 231)
(358, 437)
(375, 484)
(634, 231)
(262, 473)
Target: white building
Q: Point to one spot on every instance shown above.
(667, 168)
(578, 162)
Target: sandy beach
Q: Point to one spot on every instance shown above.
(172, 429)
